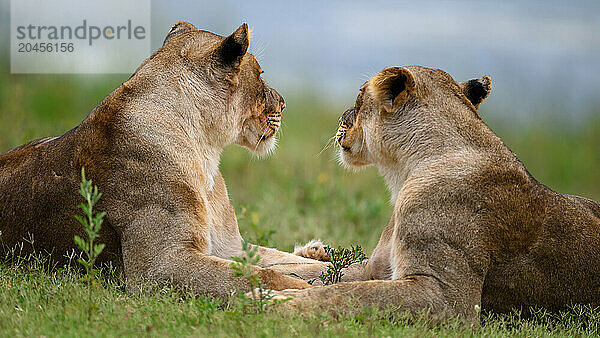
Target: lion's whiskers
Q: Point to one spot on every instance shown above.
(362, 143)
(261, 138)
(328, 145)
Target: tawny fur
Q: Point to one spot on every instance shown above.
(313, 249)
(471, 228)
(153, 147)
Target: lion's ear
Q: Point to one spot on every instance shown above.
(234, 47)
(179, 28)
(392, 87)
(476, 90)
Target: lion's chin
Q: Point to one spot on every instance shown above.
(265, 147)
(349, 160)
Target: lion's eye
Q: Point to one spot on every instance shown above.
(262, 72)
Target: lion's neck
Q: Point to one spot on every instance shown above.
(432, 166)
(173, 129)
(421, 141)
(200, 165)
(394, 175)
(427, 158)
(412, 174)
(397, 163)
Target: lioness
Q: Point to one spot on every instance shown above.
(153, 146)
(471, 227)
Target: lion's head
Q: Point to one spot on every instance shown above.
(399, 111)
(217, 86)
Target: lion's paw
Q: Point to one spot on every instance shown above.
(313, 250)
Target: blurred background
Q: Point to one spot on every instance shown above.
(543, 57)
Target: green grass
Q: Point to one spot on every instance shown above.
(37, 302)
(298, 193)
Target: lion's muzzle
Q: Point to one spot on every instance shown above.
(274, 105)
(346, 122)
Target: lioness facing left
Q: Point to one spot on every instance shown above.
(153, 146)
(471, 228)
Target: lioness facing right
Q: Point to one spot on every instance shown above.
(153, 147)
(471, 227)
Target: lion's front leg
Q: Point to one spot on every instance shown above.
(290, 264)
(417, 295)
(306, 268)
(170, 249)
(437, 278)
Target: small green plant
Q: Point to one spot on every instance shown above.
(92, 223)
(340, 258)
(250, 222)
(243, 267)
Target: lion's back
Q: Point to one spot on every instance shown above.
(38, 196)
